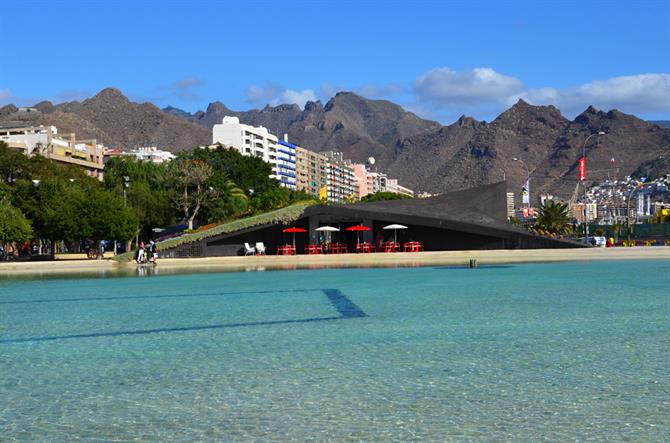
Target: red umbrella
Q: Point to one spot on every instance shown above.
(293, 230)
(357, 229)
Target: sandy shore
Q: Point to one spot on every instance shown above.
(450, 258)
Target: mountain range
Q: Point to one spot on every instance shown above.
(424, 155)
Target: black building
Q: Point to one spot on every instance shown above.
(464, 220)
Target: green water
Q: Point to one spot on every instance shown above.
(557, 352)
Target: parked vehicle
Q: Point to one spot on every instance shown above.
(595, 241)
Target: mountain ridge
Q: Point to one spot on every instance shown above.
(424, 155)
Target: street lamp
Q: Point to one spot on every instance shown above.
(582, 178)
(527, 177)
(126, 184)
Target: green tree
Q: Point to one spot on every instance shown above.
(249, 173)
(189, 189)
(13, 164)
(381, 196)
(146, 193)
(554, 217)
(14, 226)
(230, 200)
(104, 216)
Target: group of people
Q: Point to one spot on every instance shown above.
(147, 253)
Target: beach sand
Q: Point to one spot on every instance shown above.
(442, 258)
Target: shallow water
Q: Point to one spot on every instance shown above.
(570, 351)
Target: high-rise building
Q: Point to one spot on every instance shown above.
(341, 178)
(311, 171)
(45, 141)
(257, 141)
(285, 163)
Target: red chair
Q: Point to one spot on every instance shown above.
(312, 249)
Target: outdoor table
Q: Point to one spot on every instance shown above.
(338, 248)
(365, 248)
(313, 249)
(413, 246)
(391, 246)
(285, 250)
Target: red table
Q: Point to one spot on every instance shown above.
(391, 246)
(365, 248)
(413, 246)
(285, 250)
(338, 248)
(312, 249)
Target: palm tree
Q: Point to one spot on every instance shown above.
(554, 218)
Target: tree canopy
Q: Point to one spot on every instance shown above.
(381, 196)
(14, 226)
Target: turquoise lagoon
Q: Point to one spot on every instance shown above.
(553, 352)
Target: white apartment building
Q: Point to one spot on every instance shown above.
(257, 141)
(393, 186)
(151, 154)
(45, 141)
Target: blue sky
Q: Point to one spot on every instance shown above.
(439, 59)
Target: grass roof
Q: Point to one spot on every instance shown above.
(284, 215)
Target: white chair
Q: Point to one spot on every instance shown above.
(248, 250)
(260, 248)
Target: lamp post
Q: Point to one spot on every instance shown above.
(527, 178)
(126, 184)
(582, 178)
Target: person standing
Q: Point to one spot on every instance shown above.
(141, 257)
(153, 252)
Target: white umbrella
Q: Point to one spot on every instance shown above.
(327, 229)
(395, 228)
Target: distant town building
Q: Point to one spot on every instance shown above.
(45, 141)
(257, 141)
(510, 204)
(371, 182)
(393, 186)
(151, 154)
(577, 210)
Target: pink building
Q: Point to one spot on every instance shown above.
(365, 180)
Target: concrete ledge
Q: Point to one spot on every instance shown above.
(452, 258)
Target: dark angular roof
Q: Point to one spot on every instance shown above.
(482, 205)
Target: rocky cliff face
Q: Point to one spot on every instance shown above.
(424, 155)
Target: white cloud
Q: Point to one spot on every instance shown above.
(446, 87)
(644, 93)
(486, 92)
(263, 94)
(275, 94)
(297, 97)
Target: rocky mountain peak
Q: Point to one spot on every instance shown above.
(217, 108)
(316, 106)
(465, 121)
(109, 95)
